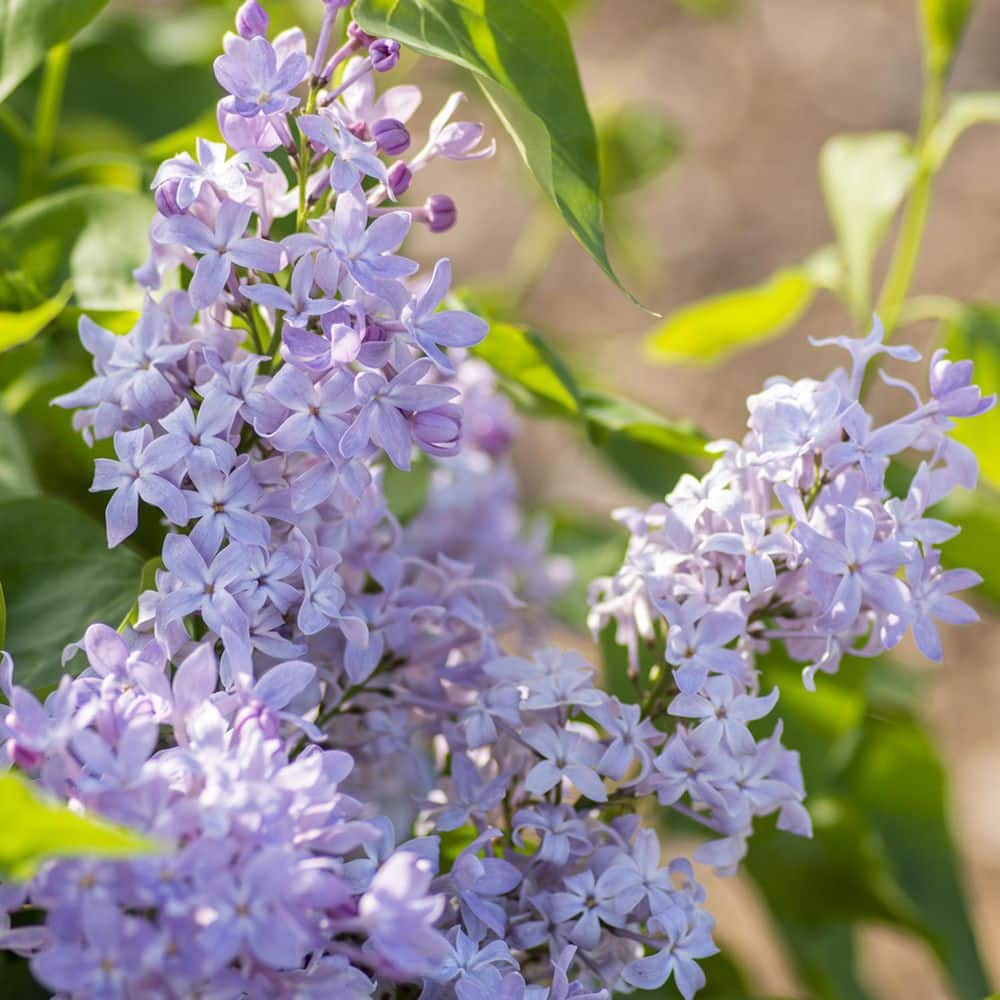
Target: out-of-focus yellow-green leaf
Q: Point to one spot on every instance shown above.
(942, 22)
(963, 111)
(184, 140)
(975, 334)
(865, 178)
(635, 144)
(19, 327)
(35, 830)
(707, 331)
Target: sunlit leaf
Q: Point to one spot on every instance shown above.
(94, 236)
(35, 830)
(975, 334)
(943, 22)
(18, 327)
(963, 111)
(521, 55)
(59, 577)
(865, 178)
(29, 28)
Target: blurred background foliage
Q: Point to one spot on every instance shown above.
(768, 167)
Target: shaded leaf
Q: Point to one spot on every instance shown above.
(406, 491)
(522, 58)
(35, 830)
(17, 477)
(29, 28)
(18, 327)
(865, 178)
(147, 581)
(636, 144)
(94, 236)
(59, 578)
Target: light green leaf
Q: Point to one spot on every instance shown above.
(975, 334)
(963, 111)
(865, 178)
(977, 547)
(29, 28)
(406, 491)
(95, 236)
(35, 830)
(19, 327)
(17, 476)
(522, 58)
(707, 331)
(942, 23)
(59, 577)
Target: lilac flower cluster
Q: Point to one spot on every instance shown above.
(792, 537)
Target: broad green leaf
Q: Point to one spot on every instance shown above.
(594, 549)
(826, 960)
(651, 470)
(29, 28)
(636, 144)
(94, 236)
(406, 490)
(942, 22)
(59, 577)
(610, 415)
(707, 331)
(18, 327)
(3, 618)
(865, 178)
(522, 57)
(35, 830)
(977, 547)
(898, 779)
(963, 111)
(17, 476)
(975, 334)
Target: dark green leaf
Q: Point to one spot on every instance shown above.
(35, 830)
(3, 618)
(898, 779)
(17, 477)
(865, 178)
(636, 145)
(975, 334)
(521, 55)
(595, 549)
(59, 577)
(943, 22)
(94, 236)
(29, 28)
(146, 581)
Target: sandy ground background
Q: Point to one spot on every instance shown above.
(755, 95)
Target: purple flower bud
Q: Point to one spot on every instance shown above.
(440, 213)
(24, 757)
(400, 178)
(252, 20)
(338, 4)
(438, 431)
(391, 136)
(361, 38)
(384, 54)
(166, 198)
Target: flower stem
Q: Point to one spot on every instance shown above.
(34, 180)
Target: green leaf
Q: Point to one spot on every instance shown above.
(3, 618)
(975, 334)
(19, 327)
(865, 178)
(594, 549)
(522, 58)
(35, 830)
(636, 144)
(17, 477)
(95, 236)
(147, 581)
(942, 23)
(898, 779)
(29, 28)
(977, 547)
(707, 331)
(963, 111)
(406, 491)
(59, 577)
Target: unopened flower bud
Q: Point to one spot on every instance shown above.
(166, 198)
(440, 213)
(438, 431)
(400, 178)
(391, 136)
(252, 20)
(360, 38)
(338, 4)
(24, 757)
(384, 54)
